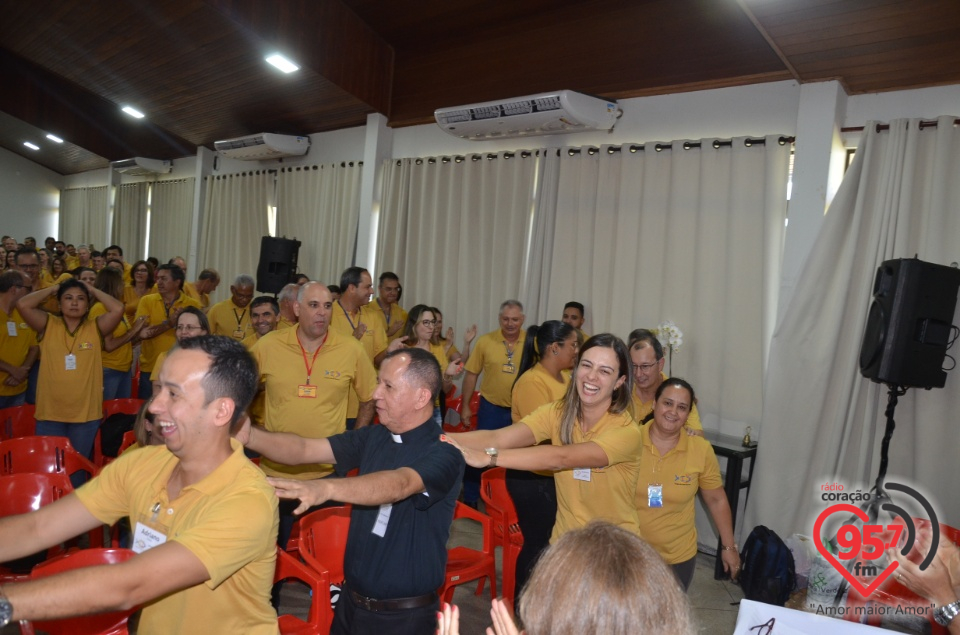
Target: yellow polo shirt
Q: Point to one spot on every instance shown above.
(70, 396)
(642, 409)
(228, 521)
(374, 340)
(16, 338)
(681, 471)
(341, 367)
(151, 305)
(490, 357)
(226, 318)
(122, 358)
(284, 323)
(397, 316)
(605, 493)
(191, 290)
(535, 388)
(258, 406)
(130, 302)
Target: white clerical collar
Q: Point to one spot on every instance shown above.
(396, 438)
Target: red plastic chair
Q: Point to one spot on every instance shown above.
(24, 493)
(129, 439)
(457, 406)
(114, 623)
(112, 407)
(320, 615)
(506, 531)
(323, 540)
(18, 421)
(43, 455)
(465, 564)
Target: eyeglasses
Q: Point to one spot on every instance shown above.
(188, 328)
(428, 322)
(643, 368)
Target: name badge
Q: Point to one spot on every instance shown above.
(509, 369)
(238, 334)
(654, 495)
(582, 474)
(70, 361)
(12, 329)
(306, 391)
(145, 538)
(383, 518)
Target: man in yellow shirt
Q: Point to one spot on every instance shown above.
(497, 356)
(204, 517)
(353, 316)
(264, 316)
(307, 373)
(207, 282)
(232, 316)
(393, 315)
(18, 342)
(573, 314)
(115, 252)
(287, 299)
(646, 355)
(161, 310)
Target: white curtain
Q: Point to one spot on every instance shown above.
(320, 206)
(234, 221)
(171, 217)
(83, 216)
(130, 220)
(822, 420)
(455, 231)
(692, 235)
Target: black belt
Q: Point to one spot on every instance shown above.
(397, 604)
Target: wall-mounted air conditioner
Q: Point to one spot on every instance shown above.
(558, 112)
(263, 146)
(139, 166)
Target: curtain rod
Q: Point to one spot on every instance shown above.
(885, 126)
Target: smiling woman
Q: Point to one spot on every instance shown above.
(594, 441)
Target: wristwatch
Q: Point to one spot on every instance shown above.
(943, 615)
(493, 453)
(6, 610)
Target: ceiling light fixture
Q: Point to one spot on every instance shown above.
(54, 138)
(282, 63)
(133, 112)
(32, 146)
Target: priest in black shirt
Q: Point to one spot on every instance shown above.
(403, 499)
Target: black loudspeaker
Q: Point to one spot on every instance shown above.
(909, 324)
(278, 263)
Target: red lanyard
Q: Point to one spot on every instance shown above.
(309, 365)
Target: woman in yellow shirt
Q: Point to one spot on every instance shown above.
(141, 274)
(117, 346)
(70, 383)
(418, 333)
(549, 353)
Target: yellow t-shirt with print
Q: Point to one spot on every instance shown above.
(498, 363)
(74, 395)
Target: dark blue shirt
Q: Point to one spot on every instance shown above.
(410, 557)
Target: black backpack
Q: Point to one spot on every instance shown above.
(767, 572)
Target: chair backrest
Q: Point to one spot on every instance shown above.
(323, 539)
(129, 438)
(320, 614)
(493, 491)
(22, 493)
(17, 421)
(87, 624)
(465, 511)
(42, 455)
(125, 406)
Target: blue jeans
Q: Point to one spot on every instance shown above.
(145, 389)
(489, 417)
(12, 401)
(116, 384)
(81, 437)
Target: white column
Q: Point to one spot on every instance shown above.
(204, 167)
(817, 172)
(378, 146)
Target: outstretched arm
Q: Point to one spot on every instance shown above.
(284, 447)
(377, 488)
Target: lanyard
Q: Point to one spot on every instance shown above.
(510, 350)
(347, 315)
(239, 317)
(66, 331)
(309, 365)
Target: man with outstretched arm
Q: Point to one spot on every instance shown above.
(403, 500)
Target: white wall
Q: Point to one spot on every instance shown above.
(29, 198)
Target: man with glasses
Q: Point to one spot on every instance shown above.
(232, 316)
(18, 342)
(161, 310)
(646, 356)
(28, 261)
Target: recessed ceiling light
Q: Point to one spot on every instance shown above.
(32, 146)
(54, 138)
(133, 112)
(282, 63)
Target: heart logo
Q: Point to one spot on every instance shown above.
(854, 582)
